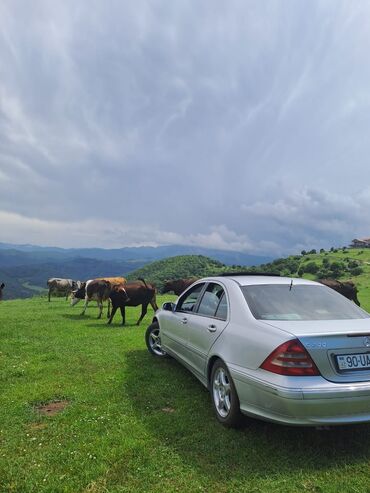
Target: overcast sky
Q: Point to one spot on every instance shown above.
(230, 124)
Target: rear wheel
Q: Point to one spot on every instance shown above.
(225, 400)
(153, 340)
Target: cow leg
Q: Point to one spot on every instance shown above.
(123, 313)
(114, 309)
(49, 294)
(144, 309)
(85, 306)
(67, 294)
(108, 314)
(154, 304)
(100, 305)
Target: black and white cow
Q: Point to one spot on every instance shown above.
(94, 293)
(93, 290)
(57, 285)
(2, 286)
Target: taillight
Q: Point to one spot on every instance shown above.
(292, 359)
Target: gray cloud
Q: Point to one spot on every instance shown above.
(235, 125)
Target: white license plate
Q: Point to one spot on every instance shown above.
(354, 361)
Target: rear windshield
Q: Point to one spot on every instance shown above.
(300, 302)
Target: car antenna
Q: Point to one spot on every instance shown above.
(291, 285)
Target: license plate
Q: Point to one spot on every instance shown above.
(353, 361)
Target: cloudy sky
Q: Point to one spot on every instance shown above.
(234, 124)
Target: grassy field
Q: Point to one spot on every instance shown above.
(132, 423)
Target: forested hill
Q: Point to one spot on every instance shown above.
(182, 266)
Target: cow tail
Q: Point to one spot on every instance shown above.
(143, 280)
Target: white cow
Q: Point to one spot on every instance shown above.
(57, 285)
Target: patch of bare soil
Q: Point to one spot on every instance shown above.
(52, 408)
(168, 410)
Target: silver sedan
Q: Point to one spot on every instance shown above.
(286, 350)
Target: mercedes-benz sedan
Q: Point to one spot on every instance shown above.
(286, 350)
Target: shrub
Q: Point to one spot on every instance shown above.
(326, 262)
(311, 268)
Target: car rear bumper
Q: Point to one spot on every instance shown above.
(323, 403)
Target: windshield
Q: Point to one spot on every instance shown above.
(300, 302)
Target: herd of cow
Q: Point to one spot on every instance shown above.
(121, 293)
(115, 290)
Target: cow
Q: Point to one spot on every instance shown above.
(133, 293)
(93, 292)
(345, 288)
(62, 286)
(2, 286)
(178, 286)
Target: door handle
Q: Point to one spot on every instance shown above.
(184, 321)
(212, 328)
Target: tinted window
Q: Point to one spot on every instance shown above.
(211, 300)
(222, 308)
(188, 302)
(301, 302)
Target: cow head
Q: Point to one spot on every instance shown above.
(2, 286)
(167, 286)
(78, 294)
(121, 291)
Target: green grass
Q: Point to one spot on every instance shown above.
(138, 424)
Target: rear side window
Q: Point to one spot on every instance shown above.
(221, 312)
(213, 302)
(189, 300)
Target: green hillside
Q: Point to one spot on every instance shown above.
(181, 266)
(339, 264)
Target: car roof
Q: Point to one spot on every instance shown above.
(245, 280)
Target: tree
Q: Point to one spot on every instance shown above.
(311, 268)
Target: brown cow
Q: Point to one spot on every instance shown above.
(178, 286)
(133, 293)
(345, 288)
(2, 286)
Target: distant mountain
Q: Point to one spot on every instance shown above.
(26, 268)
(148, 254)
(23, 281)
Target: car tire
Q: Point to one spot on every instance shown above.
(225, 399)
(153, 340)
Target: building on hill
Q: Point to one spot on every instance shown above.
(360, 243)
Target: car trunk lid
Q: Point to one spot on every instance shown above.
(339, 348)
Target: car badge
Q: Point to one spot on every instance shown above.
(366, 341)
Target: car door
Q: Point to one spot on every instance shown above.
(206, 325)
(174, 326)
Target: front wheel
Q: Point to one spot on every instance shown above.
(153, 340)
(225, 400)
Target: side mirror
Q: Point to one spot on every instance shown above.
(169, 306)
